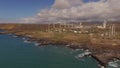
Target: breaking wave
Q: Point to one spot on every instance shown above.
(82, 55)
(114, 64)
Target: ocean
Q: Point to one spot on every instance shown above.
(15, 53)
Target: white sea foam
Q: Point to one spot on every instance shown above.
(67, 45)
(77, 50)
(102, 67)
(26, 41)
(15, 36)
(23, 38)
(113, 64)
(37, 44)
(86, 53)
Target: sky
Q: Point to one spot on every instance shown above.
(57, 11)
(22, 8)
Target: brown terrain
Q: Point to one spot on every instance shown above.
(104, 49)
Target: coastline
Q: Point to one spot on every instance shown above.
(101, 62)
(103, 50)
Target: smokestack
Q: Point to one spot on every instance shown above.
(104, 24)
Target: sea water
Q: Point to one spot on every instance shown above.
(15, 53)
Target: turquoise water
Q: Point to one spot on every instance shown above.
(14, 53)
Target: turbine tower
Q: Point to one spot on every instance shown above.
(112, 32)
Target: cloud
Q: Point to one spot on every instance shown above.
(64, 4)
(77, 10)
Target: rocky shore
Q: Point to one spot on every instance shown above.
(101, 49)
(102, 53)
